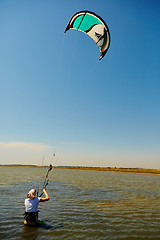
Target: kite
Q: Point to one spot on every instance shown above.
(94, 26)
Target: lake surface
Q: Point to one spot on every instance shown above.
(83, 204)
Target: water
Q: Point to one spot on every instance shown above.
(83, 204)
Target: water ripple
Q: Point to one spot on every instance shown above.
(83, 205)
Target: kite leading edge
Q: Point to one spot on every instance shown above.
(94, 26)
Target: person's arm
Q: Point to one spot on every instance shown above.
(46, 196)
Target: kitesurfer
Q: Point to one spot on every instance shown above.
(31, 206)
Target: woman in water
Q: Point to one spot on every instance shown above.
(31, 206)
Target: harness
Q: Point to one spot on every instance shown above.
(31, 218)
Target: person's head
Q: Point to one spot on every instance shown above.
(31, 194)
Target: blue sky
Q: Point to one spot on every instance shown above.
(56, 96)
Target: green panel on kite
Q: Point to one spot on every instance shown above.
(77, 22)
(86, 23)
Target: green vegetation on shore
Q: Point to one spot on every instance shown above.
(108, 169)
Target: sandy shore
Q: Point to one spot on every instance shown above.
(110, 169)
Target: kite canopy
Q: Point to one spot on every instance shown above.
(94, 26)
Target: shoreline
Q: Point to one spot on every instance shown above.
(111, 169)
(104, 169)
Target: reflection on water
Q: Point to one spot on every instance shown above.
(83, 205)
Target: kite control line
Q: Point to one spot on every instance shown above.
(46, 180)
